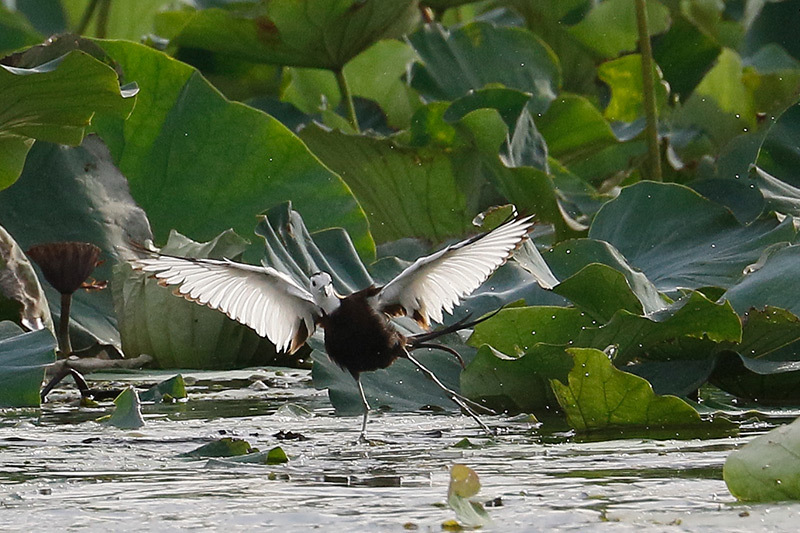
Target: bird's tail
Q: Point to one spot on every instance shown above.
(464, 323)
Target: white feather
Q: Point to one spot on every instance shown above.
(439, 281)
(267, 300)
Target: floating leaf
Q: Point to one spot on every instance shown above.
(224, 447)
(516, 329)
(127, 410)
(464, 484)
(23, 358)
(516, 384)
(174, 388)
(766, 469)
(655, 336)
(274, 456)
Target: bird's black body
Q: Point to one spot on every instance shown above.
(359, 338)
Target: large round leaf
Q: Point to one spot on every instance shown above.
(305, 33)
(680, 239)
(407, 192)
(454, 63)
(54, 102)
(771, 282)
(199, 163)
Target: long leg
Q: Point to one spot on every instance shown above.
(461, 401)
(363, 436)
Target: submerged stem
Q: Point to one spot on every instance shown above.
(648, 88)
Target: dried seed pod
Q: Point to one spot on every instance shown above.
(65, 265)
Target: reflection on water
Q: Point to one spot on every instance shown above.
(62, 471)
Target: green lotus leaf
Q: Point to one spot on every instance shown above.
(199, 173)
(624, 78)
(477, 54)
(516, 384)
(174, 388)
(23, 359)
(224, 447)
(770, 281)
(598, 396)
(684, 53)
(127, 410)
(54, 102)
(514, 331)
(766, 469)
(580, 263)
(307, 33)
(610, 27)
(679, 239)
(573, 128)
(15, 31)
(405, 191)
(695, 319)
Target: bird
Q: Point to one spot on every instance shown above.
(358, 330)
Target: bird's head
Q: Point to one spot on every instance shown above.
(323, 291)
(321, 282)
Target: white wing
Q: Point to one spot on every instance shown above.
(268, 301)
(439, 281)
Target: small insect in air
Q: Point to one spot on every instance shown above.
(359, 335)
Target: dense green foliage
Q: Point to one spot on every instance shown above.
(370, 120)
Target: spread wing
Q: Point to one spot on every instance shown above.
(439, 281)
(267, 300)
